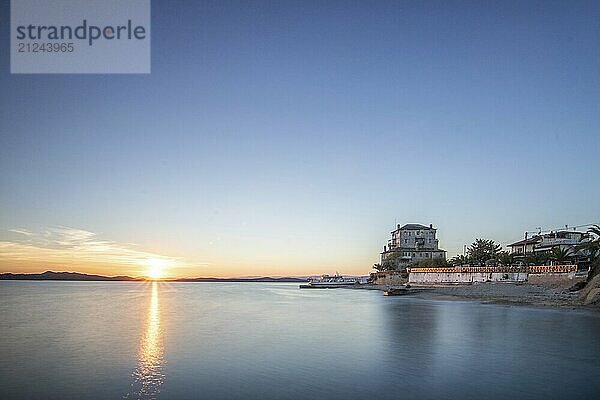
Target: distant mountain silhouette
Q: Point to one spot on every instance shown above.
(64, 276)
(76, 276)
(258, 279)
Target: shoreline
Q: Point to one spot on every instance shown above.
(549, 296)
(511, 294)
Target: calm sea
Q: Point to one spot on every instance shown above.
(83, 340)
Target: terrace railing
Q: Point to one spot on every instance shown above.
(535, 269)
(552, 269)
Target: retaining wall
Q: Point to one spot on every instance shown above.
(390, 278)
(465, 277)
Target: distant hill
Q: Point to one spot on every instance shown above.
(259, 279)
(76, 276)
(64, 276)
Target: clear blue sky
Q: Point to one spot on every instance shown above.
(288, 138)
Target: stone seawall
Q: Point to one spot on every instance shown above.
(389, 278)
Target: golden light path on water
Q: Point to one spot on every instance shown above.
(149, 375)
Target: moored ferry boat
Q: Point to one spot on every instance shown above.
(327, 281)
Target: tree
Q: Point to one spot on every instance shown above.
(595, 230)
(560, 255)
(431, 263)
(505, 258)
(459, 260)
(482, 250)
(591, 243)
(390, 263)
(536, 259)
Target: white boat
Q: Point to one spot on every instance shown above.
(327, 281)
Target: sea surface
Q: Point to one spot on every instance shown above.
(121, 340)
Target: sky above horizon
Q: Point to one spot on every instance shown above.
(289, 138)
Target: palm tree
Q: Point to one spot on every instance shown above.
(560, 255)
(592, 242)
(536, 259)
(459, 260)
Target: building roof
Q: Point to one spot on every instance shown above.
(414, 227)
(562, 233)
(531, 240)
(413, 250)
(538, 238)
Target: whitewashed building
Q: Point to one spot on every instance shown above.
(544, 243)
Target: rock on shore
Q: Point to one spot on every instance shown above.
(590, 294)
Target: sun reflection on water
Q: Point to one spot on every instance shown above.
(149, 375)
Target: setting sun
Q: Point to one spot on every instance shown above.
(154, 272)
(155, 268)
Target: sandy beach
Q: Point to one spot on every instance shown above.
(508, 293)
(554, 294)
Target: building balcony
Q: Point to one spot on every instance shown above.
(558, 241)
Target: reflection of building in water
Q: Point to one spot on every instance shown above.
(149, 375)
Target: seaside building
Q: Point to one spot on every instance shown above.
(543, 244)
(411, 243)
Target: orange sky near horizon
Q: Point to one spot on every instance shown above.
(164, 273)
(76, 250)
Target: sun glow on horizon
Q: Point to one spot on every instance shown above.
(156, 266)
